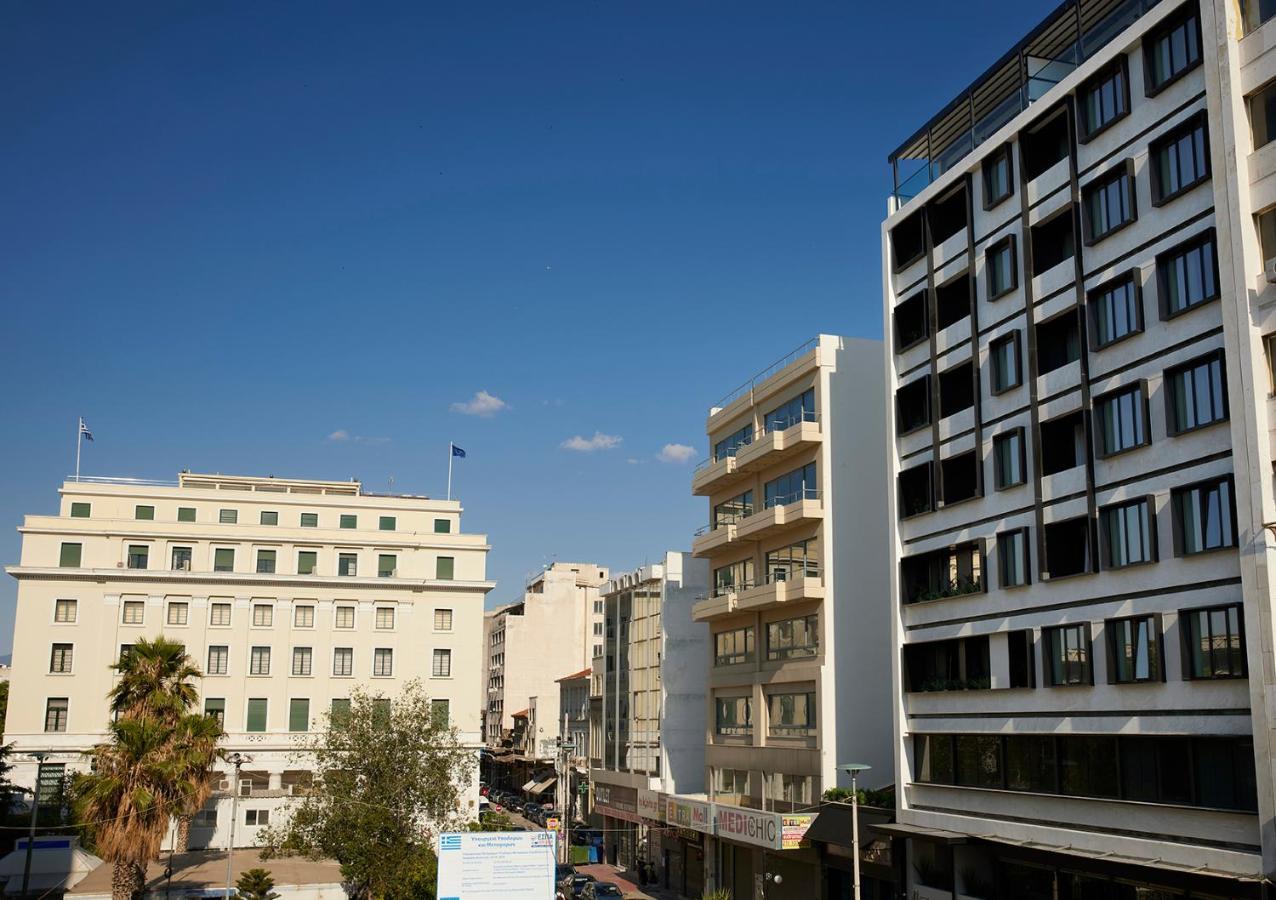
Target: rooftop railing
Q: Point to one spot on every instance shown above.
(781, 363)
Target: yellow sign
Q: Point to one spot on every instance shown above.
(552, 824)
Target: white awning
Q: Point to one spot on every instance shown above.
(531, 784)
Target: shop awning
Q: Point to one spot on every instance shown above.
(531, 784)
(1109, 856)
(542, 786)
(934, 835)
(834, 826)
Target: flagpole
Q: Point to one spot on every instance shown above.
(449, 469)
(79, 439)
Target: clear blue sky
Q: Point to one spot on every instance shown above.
(231, 230)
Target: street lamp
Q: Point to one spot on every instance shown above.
(854, 769)
(236, 760)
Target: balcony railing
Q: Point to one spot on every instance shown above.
(784, 423)
(783, 362)
(792, 497)
(722, 590)
(792, 573)
(728, 453)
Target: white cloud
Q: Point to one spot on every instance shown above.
(599, 441)
(339, 435)
(481, 404)
(676, 453)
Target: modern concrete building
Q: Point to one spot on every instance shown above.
(286, 592)
(573, 703)
(1078, 293)
(797, 627)
(652, 694)
(550, 633)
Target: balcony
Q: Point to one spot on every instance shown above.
(710, 539)
(783, 586)
(719, 602)
(804, 506)
(785, 439)
(714, 474)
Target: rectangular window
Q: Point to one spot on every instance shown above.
(386, 523)
(385, 617)
(1008, 459)
(733, 715)
(186, 514)
(298, 714)
(343, 617)
(1109, 204)
(794, 562)
(791, 714)
(1012, 555)
(178, 613)
(442, 664)
(1255, 12)
(1180, 161)
(1171, 50)
(138, 556)
(256, 714)
(1004, 356)
(441, 711)
(442, 526)
(1104, 99)
(733, 647)
(218, 659)
(383, 662)
(64, 611)
(144, 513)
(1023, 659)
(1134, 649)
(60, 659)
(1196, 394)
(80, 510)
(1214, 642)
(215, 707)
(301, 661)
(728, 446)
(1068, 655)
(797, 638)
(303, 617)
(228, 516)
(260, 661)
(387, 564)
(1204, 517)
(1122, 421)
(1129, 533)
(310, 520)
(340, 715)
(181, 559)
(1116, 310)
(269, 517)
(219, 614)
(266, 562)
(978, 760)
(444, 568)
(134, 612)
(125, 650)
(791, 487)
(999, 260)
(307, 560)
(349, 521)
(55, 714)
(443, 620)
(797, 410)
(999, 180)
(343, 662)
(69, 556)
(348, 564)
(263, 615)
(732, 578)
(223, 559)
(1187, 276)
(1087, 766)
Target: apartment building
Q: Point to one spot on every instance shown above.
(286, 592)
(551, 632)
(1078, 305)
(573, 702)
(799, 648)
(652, 698)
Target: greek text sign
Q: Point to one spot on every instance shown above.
(496, 865)
(689, 814)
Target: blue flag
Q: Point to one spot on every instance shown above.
(457, 451)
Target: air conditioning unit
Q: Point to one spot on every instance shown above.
(1269, 269)
(223, 784)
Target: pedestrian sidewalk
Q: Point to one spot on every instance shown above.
(627, 882)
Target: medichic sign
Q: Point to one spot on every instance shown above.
(496, 865)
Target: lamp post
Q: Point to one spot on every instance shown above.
(854, 769)
(35, 812)
(237, 760)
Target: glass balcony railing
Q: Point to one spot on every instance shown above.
(792, 497)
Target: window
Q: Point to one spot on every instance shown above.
(1003, 355)
(1009, 459)
(260, 661)
(960, 476)
(916, 491)
(1023, 659)
(343, 617)
(178, 612)
(977, 760)
(442, 526)
(1012, 555)
(598, 629)
(956, 389)
(443, 620)
(728, 446)
(80, 510)
(999, 261)
(794, 562)
(1116, 310)
(219, 614)
(348, 564)
(791, 714)
(733, 647)
(1053, 242)
(799, 409)
(946, 216)
(1214, 643)
(912, 322)
(1256, 12)
(733, 577)
(1171, 50)
(999, 176)
(1104, 99)
(385, 617)
(953, 301)
(387, 564)
(55, 714)
(138, 556)
(298, 715)
(1030, 764)
(791, 487)
(1129, 533)
(256, 714)
(441, 711)
(383, 662)
(908, 241)
(442, 664)
(125, 650)
(734, 715)
(340, 715)
(1134, 649)
(64, 611)
(952, 665)
(144, 513)
(303, 617)
(1187, 276)
(181, 559)
(1196, 394)
(307, 560)
(1122, 420)
(349, 521)
(1109, 204)
(1067, 549)
(386, 523)
(912, 405)
(223, 559)
(218, 659)
(134, 612)
(1180, 161)
(1068, 655)
(263, 615)
(215, 707)
(950, 572)
(301, 659)
(444, 568)
(310, 520)
(343, 662)
(228, 516)
(186, 514)
(269, 517)
(1204, 517)
(69, 556)
(60, 659)
(266, 562)
(797, 638)
(1062, 443)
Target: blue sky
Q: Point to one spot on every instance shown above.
(230, 231)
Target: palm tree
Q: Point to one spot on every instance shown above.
(195, 750)
(156, 678)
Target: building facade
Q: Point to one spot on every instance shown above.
(798, 654)
(1078, 305)
(286, 593)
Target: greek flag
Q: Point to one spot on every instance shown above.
(88, 435)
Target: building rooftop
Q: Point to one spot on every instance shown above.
(583, 673)
(241, 483)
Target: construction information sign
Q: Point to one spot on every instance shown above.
(509, 865)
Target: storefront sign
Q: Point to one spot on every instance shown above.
(691, 814)
(748, 826)
(616, 801)
(793, 830)
(651, 805)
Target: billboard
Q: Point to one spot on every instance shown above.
(496, 865)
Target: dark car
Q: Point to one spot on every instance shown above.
(575, 885)
(528, 808)
(562, 871)
(602, 890)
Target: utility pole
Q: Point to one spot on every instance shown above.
(237, 760)
(35, 812)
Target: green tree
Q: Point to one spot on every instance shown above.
(388, 779)
(256, 884)
(4, 703)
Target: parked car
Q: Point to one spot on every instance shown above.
(601, 890)
(573, 887)
(528, 808)
(563, 871)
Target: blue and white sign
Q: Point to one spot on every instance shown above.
(497, 865)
